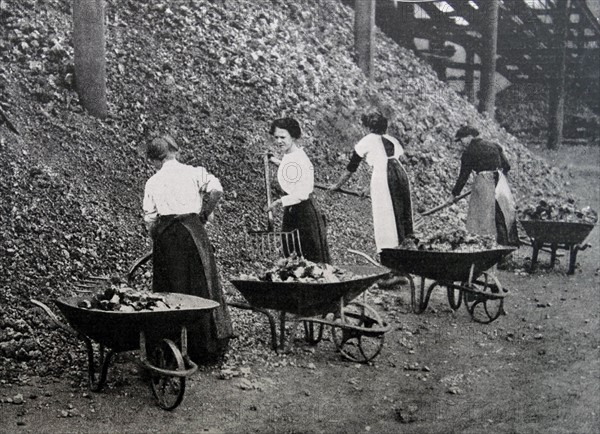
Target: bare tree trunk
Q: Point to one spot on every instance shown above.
(557, 84)
(470, 76)
(487, 100)
(364, 27)
(90, 58)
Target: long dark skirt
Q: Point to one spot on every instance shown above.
(183, 262)
(310, 222)
(399, 186)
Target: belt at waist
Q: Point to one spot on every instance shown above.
(482, 172)
(169, 217)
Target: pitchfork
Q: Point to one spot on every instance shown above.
(266, 243)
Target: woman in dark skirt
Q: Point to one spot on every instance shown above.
(178, 200)
(296, 178)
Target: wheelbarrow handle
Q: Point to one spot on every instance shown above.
(367, 257)
(137, 264)
(53, 316)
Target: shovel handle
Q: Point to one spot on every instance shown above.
(421, 220)
(277, 162)
(340, 190)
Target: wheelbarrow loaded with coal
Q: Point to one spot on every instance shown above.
(130, 320)
(551, 226)
(356, 328)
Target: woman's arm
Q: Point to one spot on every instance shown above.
(343, 179)
(350, 169)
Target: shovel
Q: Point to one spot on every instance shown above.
(421, 220)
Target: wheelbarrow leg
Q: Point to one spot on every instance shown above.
(572, 259)
(282, 330)
(270, 318)
(534, 255)
(553, 248)
(97, 380)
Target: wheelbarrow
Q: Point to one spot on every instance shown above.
(153, 332)
(556, 235)
(357, 329)
(459, 272)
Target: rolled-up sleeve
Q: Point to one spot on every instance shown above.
(208, 183)
(148, 205)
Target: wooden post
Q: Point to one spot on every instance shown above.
(438, 64)
(90, 59)
(557, 84)
(406, 30)
(364, 26)
(470, 76)
(487, 101)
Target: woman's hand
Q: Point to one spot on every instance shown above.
(451, 200)
(273, 205)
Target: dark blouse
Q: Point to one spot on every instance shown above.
(479, 156)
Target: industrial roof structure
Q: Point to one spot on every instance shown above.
(526, 40)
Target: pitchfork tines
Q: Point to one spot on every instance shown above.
(270, 244)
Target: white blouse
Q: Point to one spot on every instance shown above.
(177, 189)
(296, 177)
(371, 148)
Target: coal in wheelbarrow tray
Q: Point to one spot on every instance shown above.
(303, 298)
(443, 266)
(120, 330)
(458, 272)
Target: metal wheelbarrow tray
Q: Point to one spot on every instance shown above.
(357, 329)
(153, 332)
(557, 235)
(459, 272)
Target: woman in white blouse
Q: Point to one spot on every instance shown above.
(178, 200)
(296, 178)
(390, 187)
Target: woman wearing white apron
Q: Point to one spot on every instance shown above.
(390, 186)
(492, 206)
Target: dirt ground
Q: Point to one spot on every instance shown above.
(535, 370)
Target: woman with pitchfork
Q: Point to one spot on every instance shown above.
(296, 178)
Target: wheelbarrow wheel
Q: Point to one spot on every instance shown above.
(358, 345)
(313, 333)
(484, 303)
(167, 389)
